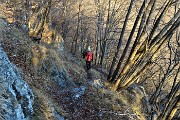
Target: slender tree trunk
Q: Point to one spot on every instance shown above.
(97, 48)
(75, 41)
(174, 110)
(143, 59)
(155, 26)
(106, 35)
(98, 34)
(120, 42)
(129, 41)
(171, 108)
(140, 34)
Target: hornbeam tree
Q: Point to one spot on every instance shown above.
(147, 44)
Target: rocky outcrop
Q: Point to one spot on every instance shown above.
(16, 97)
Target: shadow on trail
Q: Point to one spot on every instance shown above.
(90, 73)
(101, 70)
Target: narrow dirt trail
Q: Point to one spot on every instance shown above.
(89, 75)
(92, 73)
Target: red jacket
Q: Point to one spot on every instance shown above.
(89, 56)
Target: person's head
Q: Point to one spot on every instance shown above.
(89, 48)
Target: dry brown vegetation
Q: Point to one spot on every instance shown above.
(96, 103)
(99, 23)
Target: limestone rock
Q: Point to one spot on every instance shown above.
(16, 98)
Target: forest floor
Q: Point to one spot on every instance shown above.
(97, 102)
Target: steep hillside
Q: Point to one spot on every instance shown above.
(62, 88)
(16, 97)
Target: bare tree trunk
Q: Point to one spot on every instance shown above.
(76, 36)
(146, 52)
(140, 34)
(120, 42)
(65, 22)
(171, 108)
(106, 35)
(99, 34)
(143, 60)
(174, 110)
(97, 47)
(170, 68)
(83, 36)
(129, 41)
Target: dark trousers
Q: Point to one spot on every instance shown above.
(88, 65)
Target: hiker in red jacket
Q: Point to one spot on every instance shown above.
(88, 58)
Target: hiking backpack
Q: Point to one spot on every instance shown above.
(89, 56)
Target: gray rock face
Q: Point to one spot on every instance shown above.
(16, 98)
